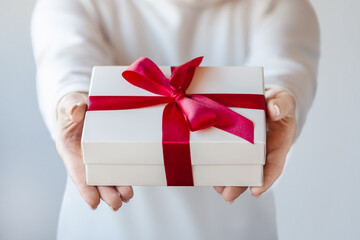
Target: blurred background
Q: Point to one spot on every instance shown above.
(317, 197)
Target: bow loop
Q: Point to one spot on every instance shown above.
(182, 75)
(145, 74)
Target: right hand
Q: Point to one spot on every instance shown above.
(70, 120)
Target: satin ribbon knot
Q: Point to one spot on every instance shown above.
(177, 94)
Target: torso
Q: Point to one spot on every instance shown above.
(172, 32)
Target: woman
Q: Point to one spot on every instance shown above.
(72, 36)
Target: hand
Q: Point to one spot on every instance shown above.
(280, 136)
(70, 120)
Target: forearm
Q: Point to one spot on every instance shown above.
(67, 43)
(287, 44)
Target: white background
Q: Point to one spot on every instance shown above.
(317, 197)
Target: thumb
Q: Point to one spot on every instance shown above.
(77, 112)
(72, 107)
(280, 106)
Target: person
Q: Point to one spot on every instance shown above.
(71, 36)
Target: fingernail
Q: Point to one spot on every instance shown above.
(230, 202)
(113, 209)
(73, 109)
(277, 111)
(126, 201)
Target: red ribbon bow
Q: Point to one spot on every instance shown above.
(183, 111)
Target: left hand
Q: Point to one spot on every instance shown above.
(69, 126)
(280, 136)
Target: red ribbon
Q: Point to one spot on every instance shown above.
(183, 112)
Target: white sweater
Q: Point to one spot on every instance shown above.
(72, 36)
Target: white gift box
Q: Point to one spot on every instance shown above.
(116, 151)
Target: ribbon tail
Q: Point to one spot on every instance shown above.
(176, 147)
(227, 119)
(251, 101)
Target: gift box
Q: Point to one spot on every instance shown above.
(141, 130)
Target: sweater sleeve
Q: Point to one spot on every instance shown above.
(67, 42)
(285, 40)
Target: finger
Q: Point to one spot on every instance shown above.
(272, 171)
(219, 189)
(126, 192)
(76, 171)
(281, 106)
(231, 193)
(110, 196)
(90, 194)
